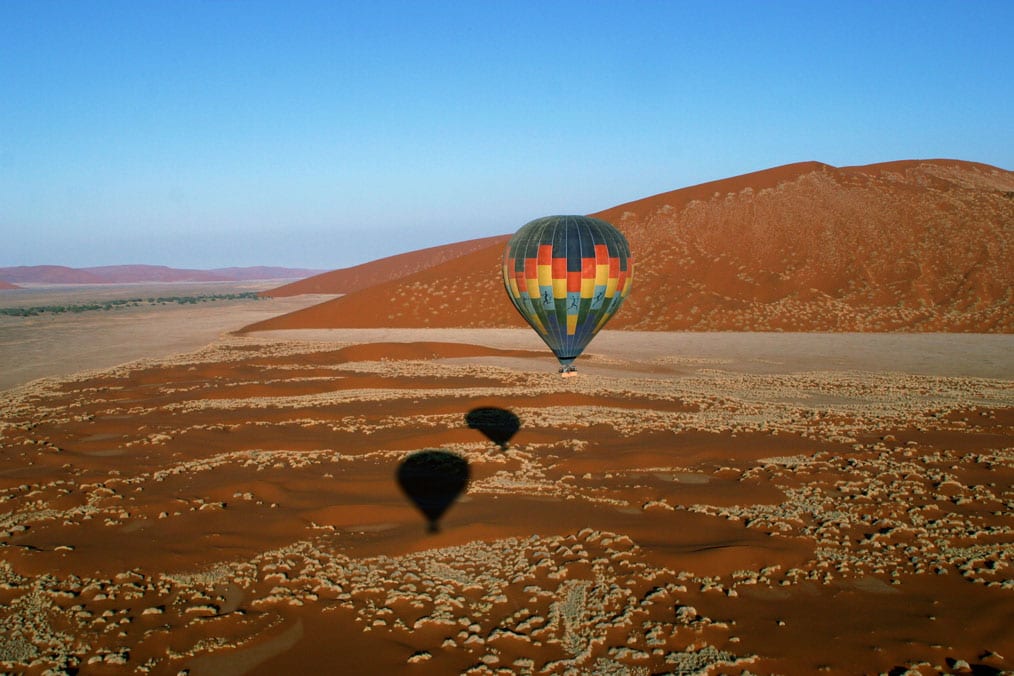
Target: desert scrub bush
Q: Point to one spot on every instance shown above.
(125, 302)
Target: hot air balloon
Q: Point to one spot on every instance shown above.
(567, 276)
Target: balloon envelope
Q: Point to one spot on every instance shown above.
(433, 480)
(567, 275)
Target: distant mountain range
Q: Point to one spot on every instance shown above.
(125, 274)
(915, 245)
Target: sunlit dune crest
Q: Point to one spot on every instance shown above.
(921, 245)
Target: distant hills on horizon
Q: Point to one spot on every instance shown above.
(10, 277)
(911, 245)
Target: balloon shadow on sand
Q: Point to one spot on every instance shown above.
(498, 424)
(433, 480)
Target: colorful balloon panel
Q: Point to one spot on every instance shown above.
(567, 275)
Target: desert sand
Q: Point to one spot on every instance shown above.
(59, 344)
(690, 503)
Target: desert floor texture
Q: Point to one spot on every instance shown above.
(690, 503)
(57, 344)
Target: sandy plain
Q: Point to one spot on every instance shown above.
(58, 344)
(690, 503)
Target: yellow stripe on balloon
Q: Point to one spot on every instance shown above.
(571, 325)
(559, 288)
(611, 287)
(587, 287)
(545, 275)
(601, 274)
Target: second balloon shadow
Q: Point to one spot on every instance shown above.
(498, 424)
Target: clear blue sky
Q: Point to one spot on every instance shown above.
(324, 134)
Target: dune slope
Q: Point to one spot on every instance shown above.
(900, 246)
(348, 280)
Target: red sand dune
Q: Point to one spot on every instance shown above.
(919, 245)
(461, 292)
(362, 276)
(8, 285)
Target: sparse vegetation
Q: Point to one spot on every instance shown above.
(125, 303)
(700, 513)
